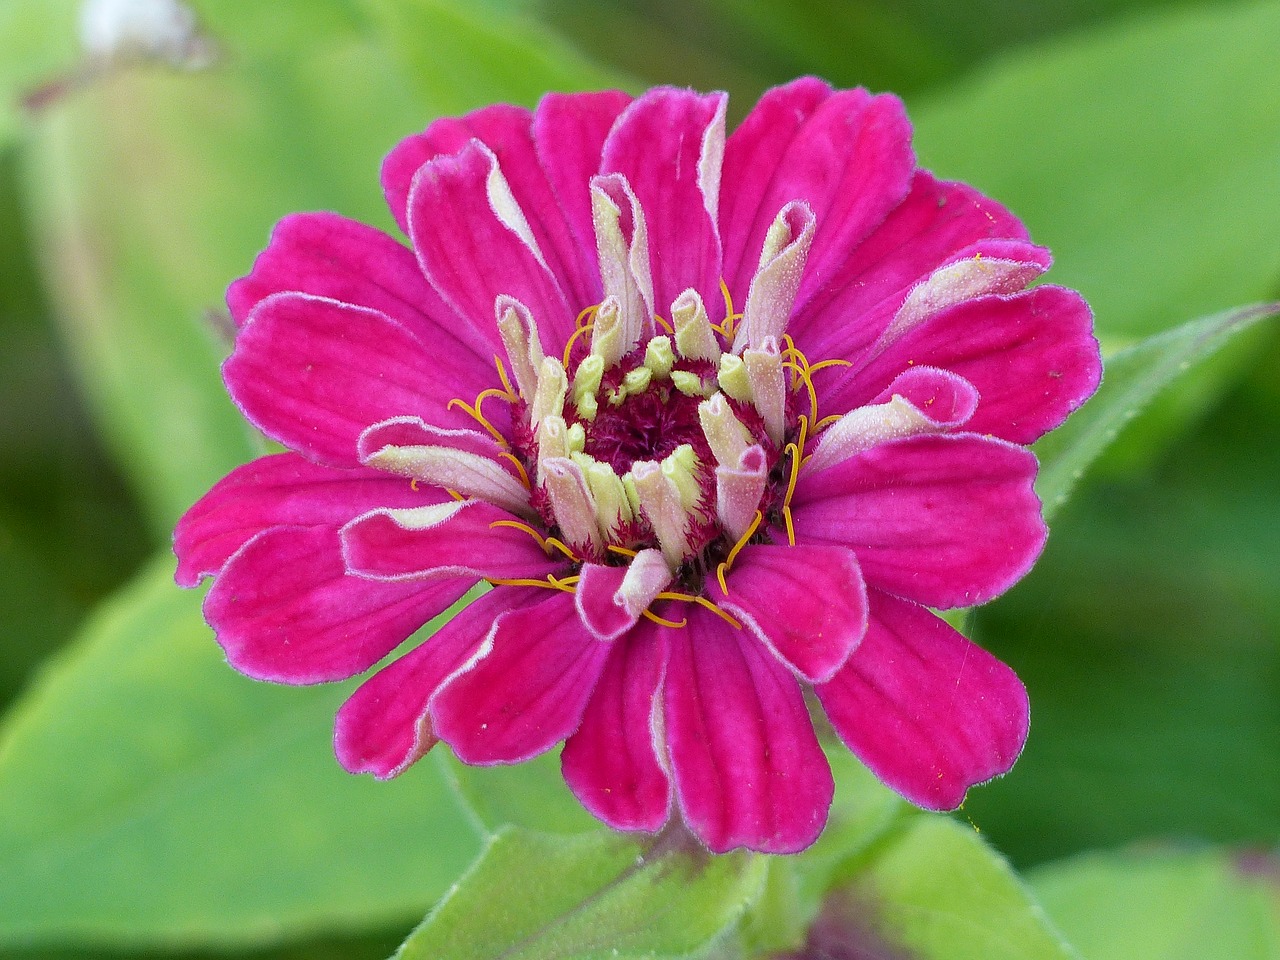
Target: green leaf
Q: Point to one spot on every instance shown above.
(532, 794)
(1145, 156)
(151, 795)
(934, 891)
(1166, 905)
(1133, 378)
(38, 48)
(597, 895)
(458, 56)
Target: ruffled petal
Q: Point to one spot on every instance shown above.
(669, 144)
(330, 256)
(519, 141)
(850, 161)
(527, 688)
(807, 604)
(285, 608)
(937, 223)
(747, 767)
(1033, 358)
(467, 538)
(385, 725)
(613, 764)
(475, 243)
(569, 130)
(928, 711)
(314, 373)
(752, 157)
(947, 521)
(279, 490)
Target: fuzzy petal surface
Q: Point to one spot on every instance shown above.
(285, 608)
(454, 539)
(614, 762)
(314, 373)
(747, 767)
(669, 144)
(385, 725)
(526, 690)
(1032, 357)
(936, 223)
(279, 490)
(850, 161)
(947, 521)
(470, 236)
(930, 712)
(808, 604)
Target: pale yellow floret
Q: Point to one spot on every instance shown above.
(659, 357)
(733, 378)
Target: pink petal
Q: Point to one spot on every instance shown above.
(314, 373)
(570, 130)
(752, 157)
(511, 132)
(612, 763)
(669, 144)
(597, 586)
(947, 521)
(850, 161)
(1033, 358)
(747, 766)
(279, 490)
(470, 538)
(285, 609)
(384, 726)
(329, 256)
(929, 712)
(470, 246)
(937, 223)
(528, 688)
(806, 603)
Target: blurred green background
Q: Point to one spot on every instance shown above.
(1139, 139)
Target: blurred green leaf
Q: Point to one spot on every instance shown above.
(532, 794)
(150, 795)
(1147, 637)
(457, 56)
(1132, 379)
(153, 189)
(39, 47)
(1165, 905)
(933, 890)
(1146, 155)
(599, 895)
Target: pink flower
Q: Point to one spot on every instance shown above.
(719, 420)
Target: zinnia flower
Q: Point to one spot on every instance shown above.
(719, 420)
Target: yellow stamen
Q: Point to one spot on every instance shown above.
(814, 368)
(524, 476)
(455, 494)
(737, 548)
(825, 421)
(477, 416)
(413, 484)
(662, 322)
(563, 548)
(511, 396)
(650, 615)
(581, 320)
(516, 524)
(700, 601)
(551, 583)
(568, 347)
(622, 550)
(797, 460)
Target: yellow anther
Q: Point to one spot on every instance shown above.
(477, 416)
(584, 316)
(664, 324)
(737, 548)
(517, 525)
(551, 583)
(814, 368)
(622, 551)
